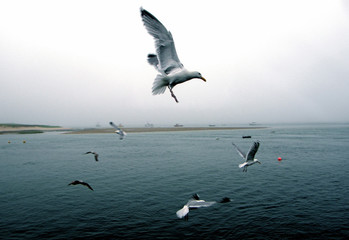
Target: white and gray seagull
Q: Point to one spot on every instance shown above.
(249, 157)
(165, 61)
(196, 202)
(119, 131)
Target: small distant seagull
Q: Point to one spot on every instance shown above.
(119, 131)
(195, 202)
(94, 153)
(76, 182)
(249, 157)
(165, 61)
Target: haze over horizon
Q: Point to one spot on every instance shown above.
(80, 63)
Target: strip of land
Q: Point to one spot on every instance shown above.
(30, 129)
(27, 129)
(155, 129)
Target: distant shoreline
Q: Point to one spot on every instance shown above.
(156, 129)
(33, 129)
(28, 129)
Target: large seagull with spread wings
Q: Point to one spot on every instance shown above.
(165, 61)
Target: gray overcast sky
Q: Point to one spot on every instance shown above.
(78, 63)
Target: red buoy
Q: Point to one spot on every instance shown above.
(279, 159)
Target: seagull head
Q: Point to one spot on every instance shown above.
(198, 75)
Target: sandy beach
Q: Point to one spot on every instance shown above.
(156, 129)
(38, 129)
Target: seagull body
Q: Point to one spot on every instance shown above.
(165, 61)
(249, 157)
(95, 154)
(76, 182)
(194, 203)
(119, 131)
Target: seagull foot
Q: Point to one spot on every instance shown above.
(172, 94)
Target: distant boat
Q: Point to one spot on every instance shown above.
(252, 123)
(246, 136)
(178, 125)
(149, 125)
(211, 125)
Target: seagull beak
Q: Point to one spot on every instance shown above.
(203, 79)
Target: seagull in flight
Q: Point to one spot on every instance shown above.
(119, 131)
(166, 62)
(95, 154)
(196, 202)
(249, 157)
(76, 182)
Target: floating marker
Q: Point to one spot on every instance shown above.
(279, 159)
(24, 141)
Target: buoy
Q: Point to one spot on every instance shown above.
(279, 159)
(24, 141)
(9, 142)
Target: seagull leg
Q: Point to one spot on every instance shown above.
(172, 94)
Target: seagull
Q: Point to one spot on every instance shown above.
(165, 61)
(118, 130)
(195, 202)
(76, 182)
(249, 157)
(94, 153)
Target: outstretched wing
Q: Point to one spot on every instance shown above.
(199, 203)
(114, 126)
(164, 44)
(253, 150)
(242, 154)
(181, 213)
(87, 185)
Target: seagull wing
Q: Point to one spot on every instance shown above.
(114, 126)
(96, 157)
(253, 150)
(181, 213)
(242, 154)
(199, 203)
(164, 44)
(87, 185)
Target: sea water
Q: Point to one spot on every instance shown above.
(140, 182)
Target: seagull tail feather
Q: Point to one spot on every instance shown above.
(159, 85)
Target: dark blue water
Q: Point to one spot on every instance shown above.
(142, 181)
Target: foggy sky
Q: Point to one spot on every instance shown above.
(79, 63)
